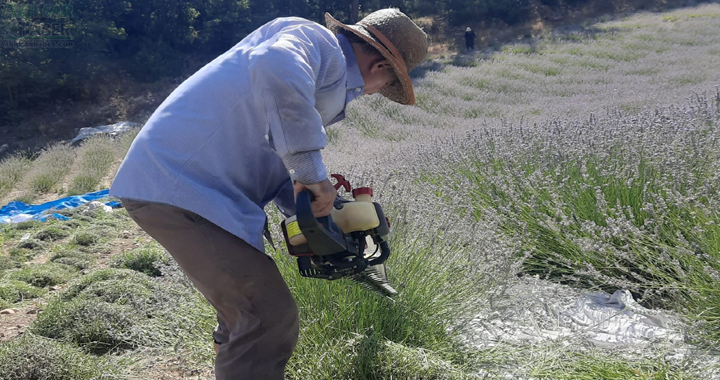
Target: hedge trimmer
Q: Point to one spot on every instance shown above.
(351, 242)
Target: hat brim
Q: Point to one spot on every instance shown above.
(401, 90)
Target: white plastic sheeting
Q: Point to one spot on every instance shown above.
(112, 130)
(618, 319)
(533, 311)
(532, 323)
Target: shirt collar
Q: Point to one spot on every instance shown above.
(355, 82)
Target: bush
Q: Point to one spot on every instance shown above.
(36, 358)
(83, 183)
(436, 282)
(42, 275)
(74, 289)
(98, 327)
(7, 262)
(20, 254)
(94, 230)
(31, 244)
(51, 233)
(50, 168)
(594, 365)
(116, 286)
(27, 225)
(71, 223)
(123, 292)
(116, 309)
(397, 361)
(627, 201)
(97, 154)
(12, 170)
(15, 291)
(144, 260)
(77, 259)
(86, 238)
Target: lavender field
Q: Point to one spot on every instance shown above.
(586, 158)
(577, 162)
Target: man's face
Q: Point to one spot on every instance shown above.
(381, 76)
(377, 72)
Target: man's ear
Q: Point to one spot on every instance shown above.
(379, 64)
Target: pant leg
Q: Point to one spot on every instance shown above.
(254, 306)
(221, 334)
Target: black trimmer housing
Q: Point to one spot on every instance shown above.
(331, 254)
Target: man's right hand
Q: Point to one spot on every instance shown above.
(324, 193)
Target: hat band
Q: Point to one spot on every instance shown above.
(399, 61)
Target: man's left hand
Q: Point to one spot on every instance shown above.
(324, 193)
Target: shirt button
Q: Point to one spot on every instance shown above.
(292, 171)
(357, 89)
(267, 137)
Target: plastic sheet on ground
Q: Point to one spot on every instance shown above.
(16, 212)
(533, 311)
(112, 130)
(618, 319)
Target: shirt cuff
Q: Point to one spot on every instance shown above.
(306, 167)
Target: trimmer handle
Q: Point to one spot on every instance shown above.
(323, 236)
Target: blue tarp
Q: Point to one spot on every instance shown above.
(15, 212)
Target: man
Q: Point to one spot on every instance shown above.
(469, 39)
(245, 130)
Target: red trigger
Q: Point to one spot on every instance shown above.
(341, 182)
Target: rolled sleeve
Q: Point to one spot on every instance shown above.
(285, 75)
(306, 167)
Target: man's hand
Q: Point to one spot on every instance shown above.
(324, 193)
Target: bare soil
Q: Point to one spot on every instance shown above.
(12, 326)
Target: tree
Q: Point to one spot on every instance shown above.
(355, 10)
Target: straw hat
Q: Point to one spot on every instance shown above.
(398, 39)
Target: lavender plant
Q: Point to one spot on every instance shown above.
(49, 169)
(590, 155)
(12, 170)
(626, 201)
(365, 335)
(629, 64)
(95, 156)
(34, 357)
(124, 142)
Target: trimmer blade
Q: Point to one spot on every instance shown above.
(375, 278)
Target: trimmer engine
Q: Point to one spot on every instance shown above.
(351, 242)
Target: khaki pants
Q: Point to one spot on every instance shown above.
(257, 316)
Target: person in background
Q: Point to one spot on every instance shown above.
(469, 39)
(245, 130)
